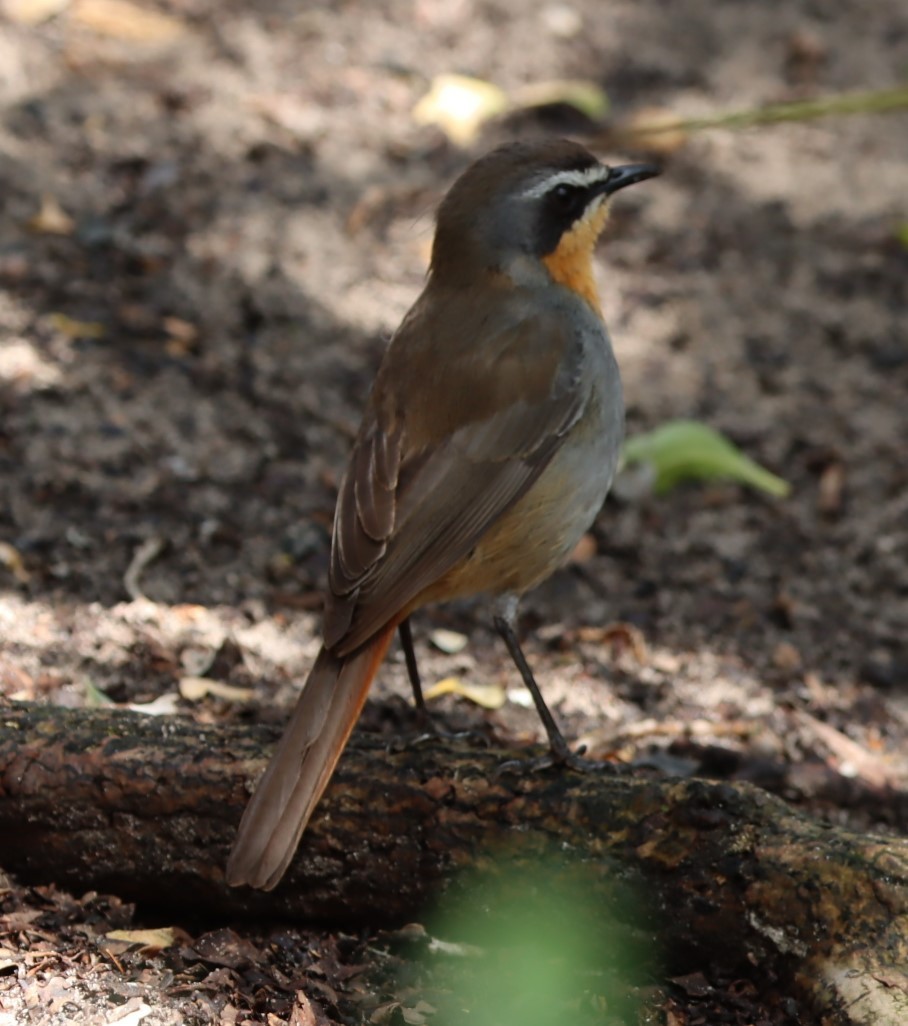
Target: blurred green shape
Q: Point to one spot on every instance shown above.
(687, 450)
(539, 953)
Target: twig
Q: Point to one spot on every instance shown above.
(882, 101)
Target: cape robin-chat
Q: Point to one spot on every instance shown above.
(487, 446)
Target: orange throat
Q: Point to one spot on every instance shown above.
(571, 262)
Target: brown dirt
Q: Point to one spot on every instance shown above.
(247, 217)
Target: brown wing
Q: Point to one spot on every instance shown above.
(415, 500)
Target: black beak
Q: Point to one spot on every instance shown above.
(628, 174)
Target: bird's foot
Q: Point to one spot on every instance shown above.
(428, 731)
(558, 756)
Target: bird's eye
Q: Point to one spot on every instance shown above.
(567, 200)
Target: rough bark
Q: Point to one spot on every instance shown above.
(146, 808)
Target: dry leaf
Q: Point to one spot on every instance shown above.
(851, 758)
(185, 331)
(449, 642)
(786, 657)
(163, 705)
(72, 328)
(33, 12)
(521, 696)
(225, 947)
(182, 336)
(621, 636)
(302, 1014)
(193, 689)
(562, 21)
(487, 696)
(130, 1014)
(383, 1013)
(12, 560)
(831, 489)
(150, 940)
(304, 121)
(121, 19)
(51, 218)
(416, 1016)
(460, 105)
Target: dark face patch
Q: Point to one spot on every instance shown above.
(559, 209)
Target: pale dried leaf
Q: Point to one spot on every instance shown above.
(851, 758)
(51, 218)
(460, 105)
(163, 705)
(520, 696)
(302, 1014)
(785, 656)
(449, 642)
(831, 489)
(12, 560)
(150, 940)
(194, 689)
(487, 696)
(121, 19)
(304, 121)
(33, 12)
(182, 336)
(383, 1013)
(186, 331)
(130, 1014)
(620, 636)
(229, 1015)
(416, 1016)
(561, 21)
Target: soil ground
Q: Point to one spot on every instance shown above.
(236, 214)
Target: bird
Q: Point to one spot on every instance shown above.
(487, 446)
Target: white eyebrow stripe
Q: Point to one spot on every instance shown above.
(580, 179)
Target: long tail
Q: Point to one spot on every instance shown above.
(302, 764)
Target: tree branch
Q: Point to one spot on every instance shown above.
(147, 807)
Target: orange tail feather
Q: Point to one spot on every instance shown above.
(303, 763)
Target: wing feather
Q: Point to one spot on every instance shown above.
(409, 510)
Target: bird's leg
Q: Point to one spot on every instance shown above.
(425, 726)
(429, 730)
(557, 743)
(505, 623)
(406, 643)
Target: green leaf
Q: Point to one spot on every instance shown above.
(587, 97)
(95, 697)
(687, 450)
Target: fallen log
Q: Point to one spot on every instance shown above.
(146, 808)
